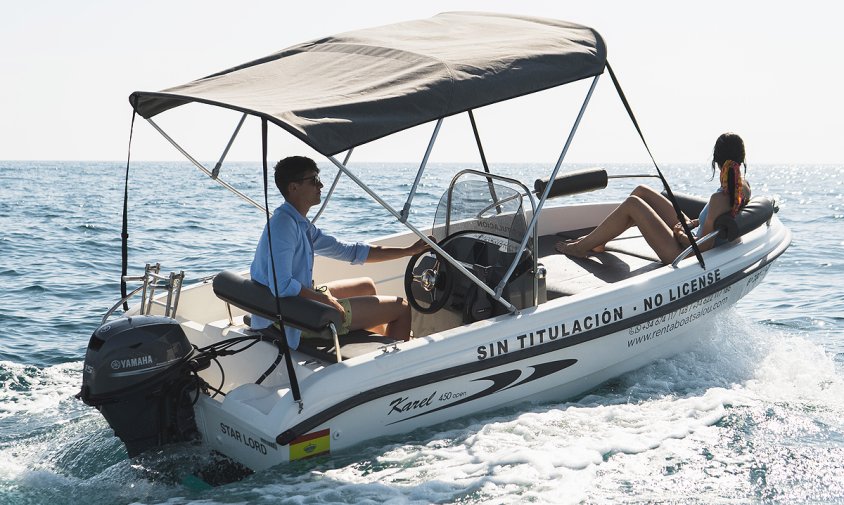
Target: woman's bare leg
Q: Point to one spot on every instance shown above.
(658, 203)
(661, 206)
(611, 227)
(634, 211)
(373, 311)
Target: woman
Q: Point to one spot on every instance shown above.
(655, 216)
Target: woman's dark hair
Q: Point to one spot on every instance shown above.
(729, 146)
(292, 169)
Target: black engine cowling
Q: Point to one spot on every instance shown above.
(137, 373)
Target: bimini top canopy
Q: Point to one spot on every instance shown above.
(343, 91)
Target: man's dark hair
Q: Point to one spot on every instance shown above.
(292, 169)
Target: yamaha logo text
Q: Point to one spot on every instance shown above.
(122, 364)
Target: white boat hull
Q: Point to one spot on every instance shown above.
(568, 324)
(556, 351)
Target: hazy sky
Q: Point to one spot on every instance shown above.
(770, 71)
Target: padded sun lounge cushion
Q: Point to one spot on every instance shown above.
(630, 242)
(256, 298)
(568, 276)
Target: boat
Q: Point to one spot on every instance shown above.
(499, 318)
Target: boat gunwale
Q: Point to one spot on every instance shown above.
(380, 391)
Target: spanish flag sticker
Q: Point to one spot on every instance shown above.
(310, 445)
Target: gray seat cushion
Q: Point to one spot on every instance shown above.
(630, 242)
(566, 275)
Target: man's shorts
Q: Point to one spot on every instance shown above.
(347, 314)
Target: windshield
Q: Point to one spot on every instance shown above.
(477, 204)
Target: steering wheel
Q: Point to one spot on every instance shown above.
(427, 279)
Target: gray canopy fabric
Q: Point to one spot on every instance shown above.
(343, 91)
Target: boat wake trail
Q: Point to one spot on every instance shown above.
(733, 415)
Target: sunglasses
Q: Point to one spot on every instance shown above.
(316, 179)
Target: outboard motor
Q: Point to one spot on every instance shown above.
(138, 373)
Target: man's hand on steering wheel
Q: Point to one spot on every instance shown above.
(419, 246)
(427, 279)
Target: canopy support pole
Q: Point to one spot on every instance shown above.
(124, 235)
(333, 185)
(219, 165)
(478, 140)
(424, 237)
(535, 218)
(205, 170)
(405, 212)
(282, 343)
(483, 158)
(668, 191)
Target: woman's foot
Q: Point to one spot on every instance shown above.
(570, 247)
(573, 247)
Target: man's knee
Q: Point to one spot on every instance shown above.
(362, 286)
(347, 288)
(368, 285)
(401, 309)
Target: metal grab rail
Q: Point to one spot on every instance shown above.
(151, 280)
(689, 249)
(118, 304)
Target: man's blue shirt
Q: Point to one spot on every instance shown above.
(295, 240)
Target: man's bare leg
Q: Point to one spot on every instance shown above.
(358, 286)
(374, 311)
(347, 288)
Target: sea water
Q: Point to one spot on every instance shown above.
(754, 413)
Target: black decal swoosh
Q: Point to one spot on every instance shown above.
(499, 382)
(504, 380)
(426, 379)
(544, 369)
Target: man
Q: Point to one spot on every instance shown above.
(294, 242)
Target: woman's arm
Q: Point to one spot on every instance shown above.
(718, 204)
